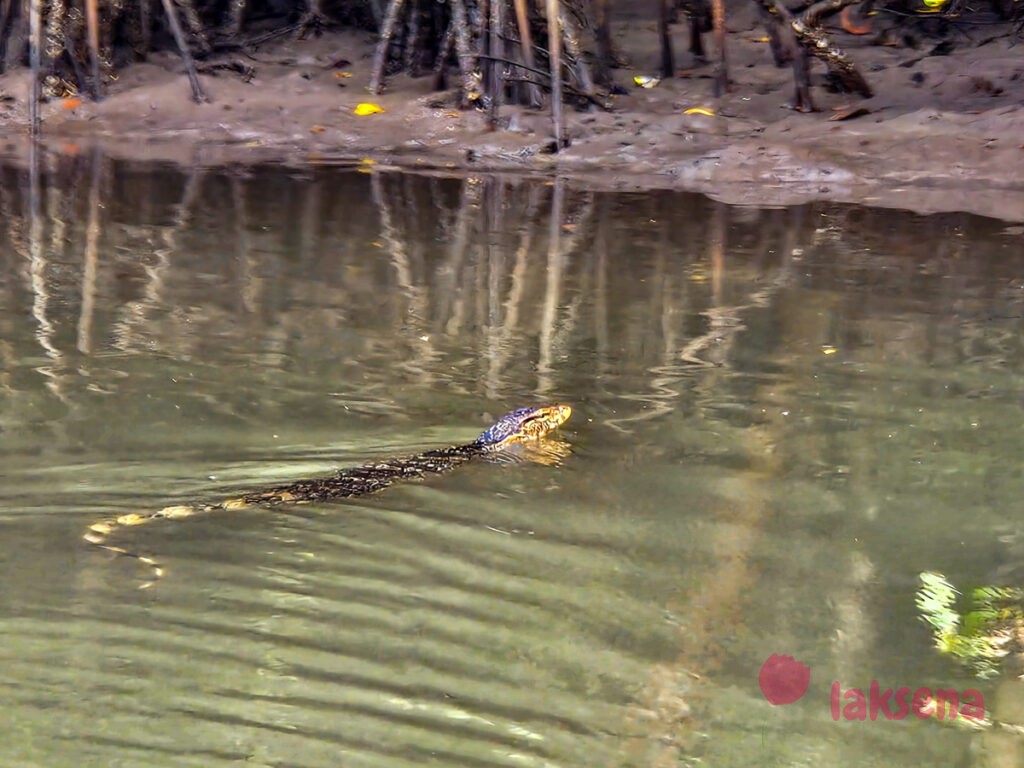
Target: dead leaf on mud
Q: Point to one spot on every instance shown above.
(849, 23)
(849, 113)
(317, 129)
(646, 81)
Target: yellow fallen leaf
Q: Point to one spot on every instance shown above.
(646, 81)
(368, 161)
(345, 75)
(700, 111)
(828, 349)
(367, 108)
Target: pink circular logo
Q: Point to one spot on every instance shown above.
(783, 679)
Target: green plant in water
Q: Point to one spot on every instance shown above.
(980, 636)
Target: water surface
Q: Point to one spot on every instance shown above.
(781, 417)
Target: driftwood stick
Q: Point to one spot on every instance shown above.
(810, 40)
(815, 13)
(816, 42)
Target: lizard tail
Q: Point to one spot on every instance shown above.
(99, 534)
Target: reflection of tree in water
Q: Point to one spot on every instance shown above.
(502, 287)
(397, 292)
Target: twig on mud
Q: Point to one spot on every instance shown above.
(591, 97)
(211, 68)
(271, 35)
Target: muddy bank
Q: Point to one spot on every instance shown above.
(943, 133)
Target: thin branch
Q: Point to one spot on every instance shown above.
(555, 42)
(198, 95)
(387, 31)
(592, 97)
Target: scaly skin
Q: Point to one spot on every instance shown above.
(519, 426)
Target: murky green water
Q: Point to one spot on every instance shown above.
(782, 417)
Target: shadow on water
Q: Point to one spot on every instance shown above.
(782, 417)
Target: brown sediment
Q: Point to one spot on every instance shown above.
(942, 133)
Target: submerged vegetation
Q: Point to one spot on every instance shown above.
(981, 631)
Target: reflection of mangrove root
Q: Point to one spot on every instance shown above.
(724, 325)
